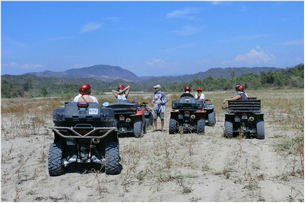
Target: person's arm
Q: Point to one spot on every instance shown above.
(153, 100)
(76, 98)
(202, 96)
(126, 90)
(115, 93)
(232, 98)
(164, 99)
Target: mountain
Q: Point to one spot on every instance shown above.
(110, 73)
(100, 72)
(213, 72)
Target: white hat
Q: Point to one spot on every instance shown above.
(157, 86)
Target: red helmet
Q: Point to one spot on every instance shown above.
(120, 87)
(199, 89)
(187, 88)
(239, 88)
(85, 89)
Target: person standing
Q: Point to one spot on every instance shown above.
(158, 102)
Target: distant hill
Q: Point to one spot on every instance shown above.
(213, 72)
(99, 72)
(110, 73)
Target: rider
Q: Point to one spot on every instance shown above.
(187, 92)
(199, 95)
(85, 94)
(239, 95)
(122, 92)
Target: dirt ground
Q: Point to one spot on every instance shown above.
(159, 166)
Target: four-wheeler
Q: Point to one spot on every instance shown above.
(131, 117)
(190, 115)
(84, 133)
(244, 118)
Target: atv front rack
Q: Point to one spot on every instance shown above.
(71, 132)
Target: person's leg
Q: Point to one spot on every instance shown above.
(162, 120)
(155, 124)
(155, 117)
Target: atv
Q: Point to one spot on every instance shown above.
(131, 117)
(84, 133)
(244, 118)
(190, 115)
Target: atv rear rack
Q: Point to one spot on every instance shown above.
(59, 130)
(252, 105)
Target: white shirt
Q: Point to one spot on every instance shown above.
(201, 96)
(122, 97)
(78, 96)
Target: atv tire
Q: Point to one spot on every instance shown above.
(138, 129)
(228, 129)
(200, 126)
(260, 130)
(112, 156)
(172, 126)
(55, 165)
(212, 118)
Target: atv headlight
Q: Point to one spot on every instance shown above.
(193, 116)
(128, 120)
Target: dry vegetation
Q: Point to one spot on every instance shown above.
(159, 166)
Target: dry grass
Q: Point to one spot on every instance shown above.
(159, 161)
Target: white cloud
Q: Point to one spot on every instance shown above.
(27, 66)
(186, 13)
(188, 30)
(11, 64)
(294, 43)
(254, 56)
(32, 66)
(89, 27)
(156, 62)
(216, 2)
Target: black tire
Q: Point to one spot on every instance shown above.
(228, 129)
(138, 129)
(200, 126)
(172, 126)
(112, 156)
(260, 130)
(55, 165)
(212, 118)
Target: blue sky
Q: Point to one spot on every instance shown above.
(150, 38)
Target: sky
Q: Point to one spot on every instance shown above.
(150, 38)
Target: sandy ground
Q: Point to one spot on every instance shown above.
(159, 166)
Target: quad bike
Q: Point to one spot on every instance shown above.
(190, 115)
(244, 118)
(84, 133)
(131, 117)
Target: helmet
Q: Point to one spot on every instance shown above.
(187, 88)
(199, 89)
(239, 88)
(120, 87)
(85, 89)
